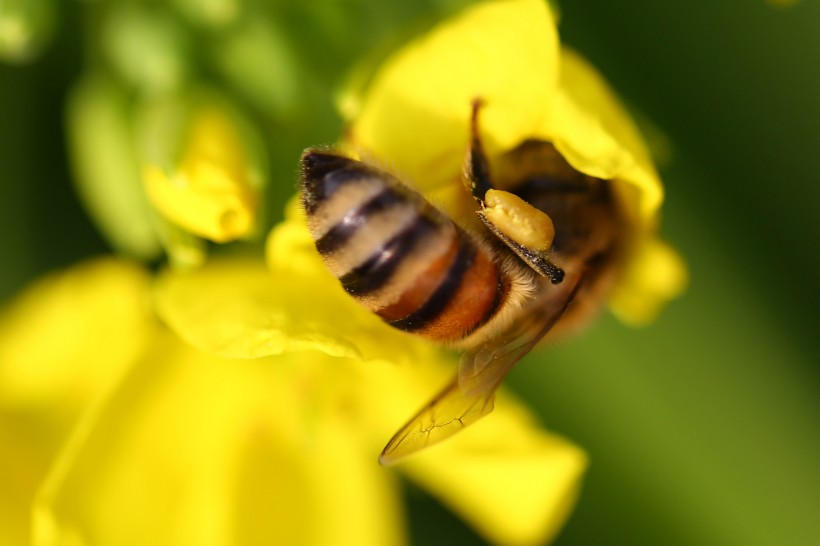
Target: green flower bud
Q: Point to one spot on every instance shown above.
(211, 13)
(147, 47)
(105, 168)
(26, 27)
(256, 58)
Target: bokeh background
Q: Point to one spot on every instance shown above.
(703, 428)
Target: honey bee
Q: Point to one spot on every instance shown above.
(539, 260)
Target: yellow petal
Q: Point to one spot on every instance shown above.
(68, 335)
(596, 135)
(240, 309)
(655, 275)
(509, 479)
(63, 343)
(516, 485)
(415, 114)
(211, 190)
(198, 450)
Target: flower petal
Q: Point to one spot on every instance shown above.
(415, 115)
(596, 135)
(655, 275)
(240, 309)
(210, 192)
(512, 481)
(70, 334)
(63, 343)
(515, 484)
(195, 449)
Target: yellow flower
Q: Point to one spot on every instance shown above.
(63, 343)
(380, 375)
(167, 171)
(209, 189)
(414, 117)
(116, 432)
(256, 413)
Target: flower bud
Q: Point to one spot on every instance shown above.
(256, 59)
(200, 167)
(211, 13)
(25, 28)
(106, 173)
(147, 47)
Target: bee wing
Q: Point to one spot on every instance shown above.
(447, 413)
(470, 395)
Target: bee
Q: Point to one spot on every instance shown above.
(538, 260)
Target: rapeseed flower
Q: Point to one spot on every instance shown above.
(414, 116)
(168, 172)
(204, 181)
(120, 433)
(252, 411)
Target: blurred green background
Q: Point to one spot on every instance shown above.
(703, 428)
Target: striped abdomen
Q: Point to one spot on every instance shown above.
(396, 254)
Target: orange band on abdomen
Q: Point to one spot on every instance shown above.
(477, 298)
(423, 288)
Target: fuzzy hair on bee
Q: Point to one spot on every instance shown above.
(550, 245)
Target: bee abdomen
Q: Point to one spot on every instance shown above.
(395, 253)
(380, 267)
(342, 231)
(466, 296)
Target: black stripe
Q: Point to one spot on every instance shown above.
(377, 270)
(339, 234)
(438, 301)
(317, 189)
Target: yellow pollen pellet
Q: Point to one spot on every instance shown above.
(518, 220)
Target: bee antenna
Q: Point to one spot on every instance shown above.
(477, 104)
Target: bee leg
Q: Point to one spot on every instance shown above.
(532, 250)
(478, 169)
